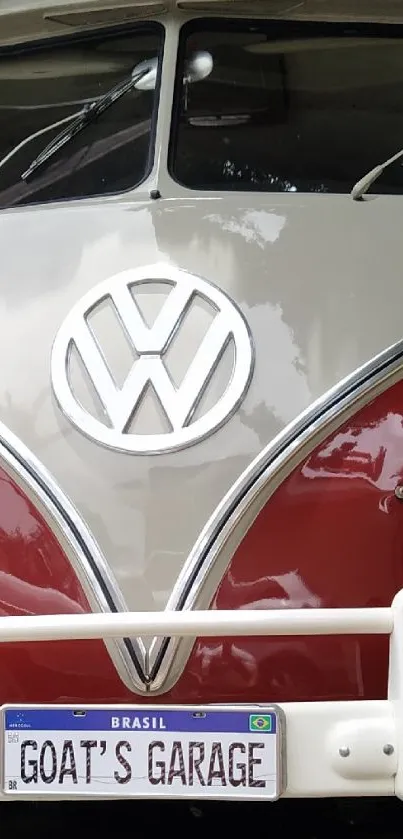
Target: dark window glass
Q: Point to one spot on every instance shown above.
(289, 106)
(42, 87)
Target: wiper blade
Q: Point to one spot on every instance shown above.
(85, 117)
(362, 186)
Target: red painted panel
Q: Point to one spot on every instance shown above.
(331, 536)
(35, 579)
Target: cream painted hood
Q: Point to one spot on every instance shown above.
(317, 280)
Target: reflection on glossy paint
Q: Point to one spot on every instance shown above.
(19, 597)
(255, 226)
(37, 579)
(319, 541)
(370, 452)
(279, 382)
(13, 507)
(288, 591)
(315, 543)
(241, 661)
(311, 282)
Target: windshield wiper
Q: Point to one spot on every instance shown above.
(362, 186)
(90, 113)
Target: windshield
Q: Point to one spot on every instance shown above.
(41, 90)
(290, 106)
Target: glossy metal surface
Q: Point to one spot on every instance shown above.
(68, 531)
(209, 559)
(183, 403)
(145, 512)
(317, 280)
(36, 578)
(332, 535)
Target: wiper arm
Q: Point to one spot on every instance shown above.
(362, 186)
(85, 117)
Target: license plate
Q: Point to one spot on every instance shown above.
(144, 752)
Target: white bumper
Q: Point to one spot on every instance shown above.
(331, 748)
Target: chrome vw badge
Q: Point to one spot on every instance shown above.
(151, 360)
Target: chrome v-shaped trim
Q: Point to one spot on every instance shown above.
(157, 670)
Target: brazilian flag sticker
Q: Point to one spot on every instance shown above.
(260, 722)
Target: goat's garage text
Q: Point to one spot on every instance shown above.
(190, 764)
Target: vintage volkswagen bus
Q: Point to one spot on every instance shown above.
(201, 398)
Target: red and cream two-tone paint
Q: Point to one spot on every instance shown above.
(201, 396)
(315, 522)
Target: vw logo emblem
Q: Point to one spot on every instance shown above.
(188, 414)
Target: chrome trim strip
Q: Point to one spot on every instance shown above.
(80, 548)
(208, 560)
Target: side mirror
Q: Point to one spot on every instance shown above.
(198, 67)
(149, 81)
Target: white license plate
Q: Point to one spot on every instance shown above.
(157, 752)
